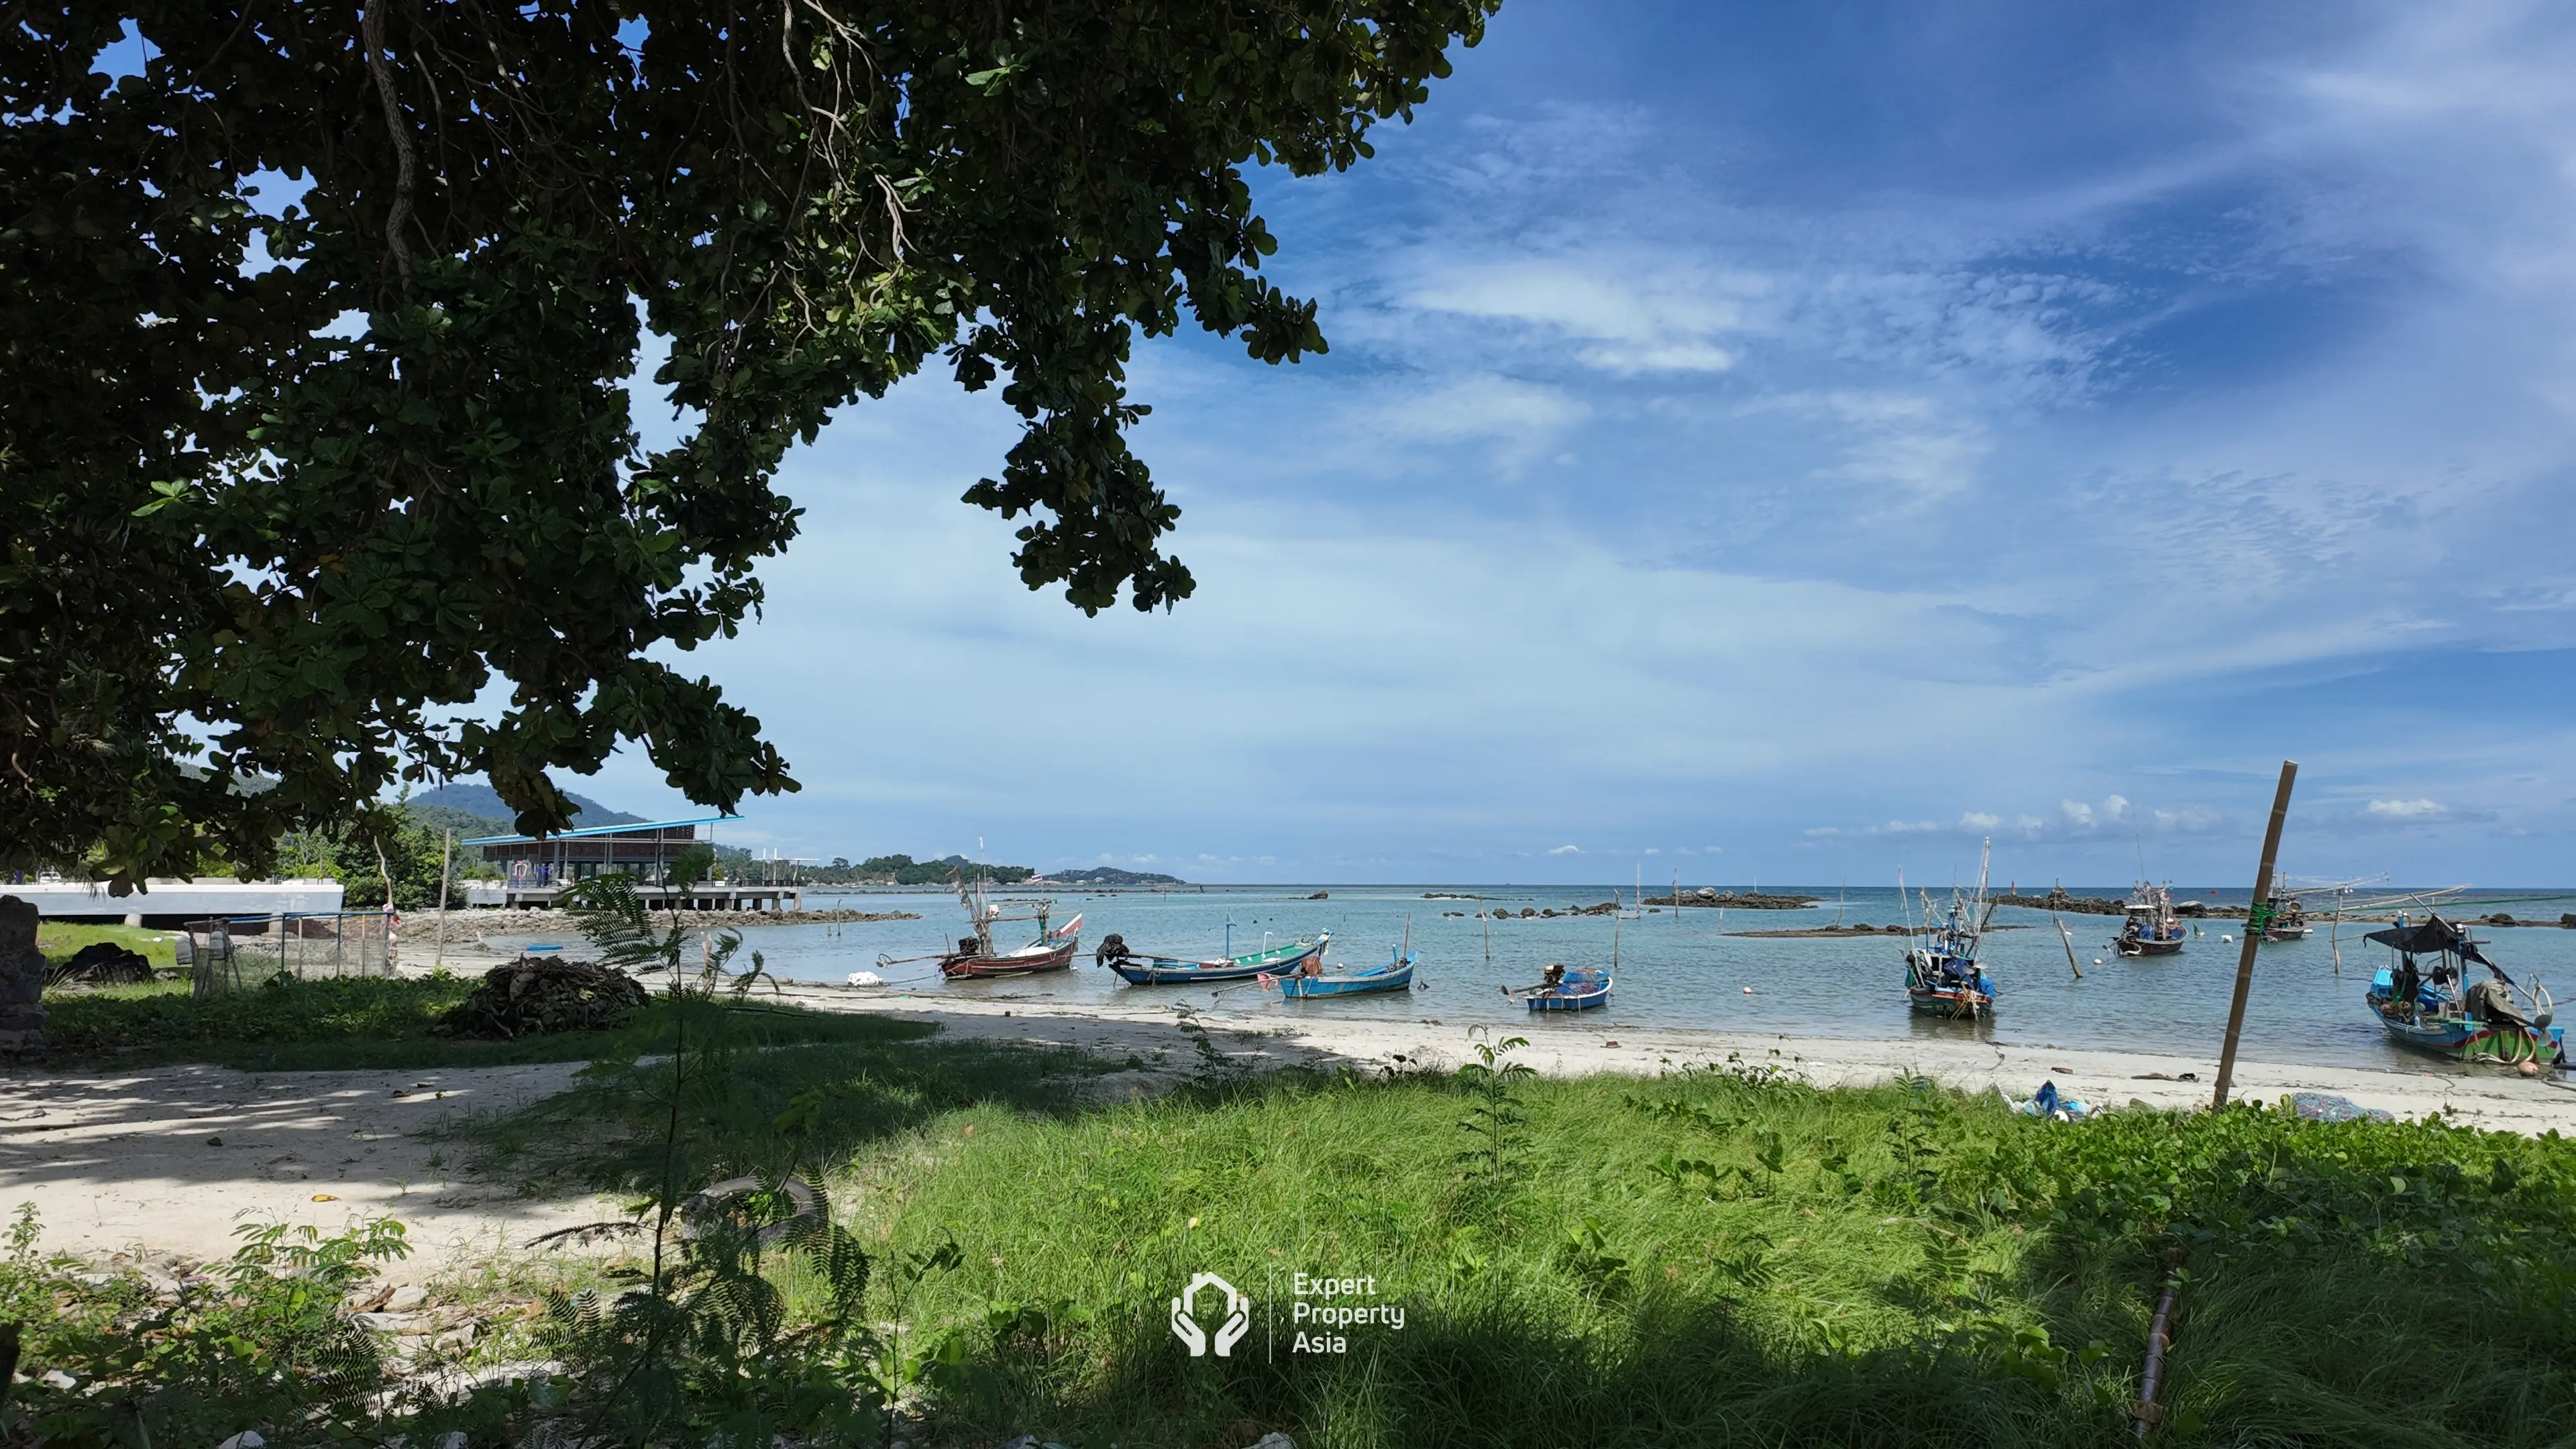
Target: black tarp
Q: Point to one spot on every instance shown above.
(2434, 934)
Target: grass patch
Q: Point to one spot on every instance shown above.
(355, 1023)
(59, 941)
(1714, 1257)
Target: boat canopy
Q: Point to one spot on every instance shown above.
(2435, 934)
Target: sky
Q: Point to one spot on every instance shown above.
(1787, 444)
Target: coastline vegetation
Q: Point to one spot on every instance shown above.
(871, 1235)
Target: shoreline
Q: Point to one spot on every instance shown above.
(2490, 1099)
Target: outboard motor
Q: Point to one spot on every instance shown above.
(966, 945)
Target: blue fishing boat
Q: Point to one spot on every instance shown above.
(1579, 989)
(1175, 971)
(1942, 974)
(1393, 975)
(2432, 1007)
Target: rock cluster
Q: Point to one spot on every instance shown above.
(104, 963)
(22, 979)
(527, 998)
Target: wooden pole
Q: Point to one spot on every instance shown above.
(446, 850)
(2254, 925)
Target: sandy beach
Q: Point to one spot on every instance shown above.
(166, 1162)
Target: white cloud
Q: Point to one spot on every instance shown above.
(2405, 809)
(1567, 850)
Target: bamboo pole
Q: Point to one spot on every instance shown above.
(2255, 923)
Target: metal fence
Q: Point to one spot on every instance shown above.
(232, 953)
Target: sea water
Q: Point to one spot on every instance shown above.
(1687, 968)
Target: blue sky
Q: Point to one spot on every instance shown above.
(1783, 444)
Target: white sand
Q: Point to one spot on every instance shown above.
(129, 1161)
(122, 1161)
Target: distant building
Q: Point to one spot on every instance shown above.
(535, 869)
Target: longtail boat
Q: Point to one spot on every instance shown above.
(1579, 989)
(1175, 971)
(2286, 920)
(2432, 1007)
(977, 958)
(1395, 975)
(1942, 974)
(2152, 927)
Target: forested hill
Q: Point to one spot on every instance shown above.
(481, 805)
(1106, 875)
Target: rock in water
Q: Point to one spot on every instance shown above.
(22, 979)
(527, 998)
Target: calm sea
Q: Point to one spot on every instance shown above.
(1690, 969)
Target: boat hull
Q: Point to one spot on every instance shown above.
(2135, 946)
(1357, 983)
(1581, 991)
(1016, 963)
(2463, 1038)
(1171, 971)
(1959, 1002)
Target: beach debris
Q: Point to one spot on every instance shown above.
(2159, 1342)
(246, 1439)
(2048, 1105)
(546, 994)
(2326, 1107)
(866, 978)
(2166, 1077)
(104, 963)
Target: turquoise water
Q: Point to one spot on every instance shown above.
(1689, 969)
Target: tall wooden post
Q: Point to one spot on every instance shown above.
(2256, 920)
(446, 851)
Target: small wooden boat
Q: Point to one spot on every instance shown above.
(977, 958)
(1174, 971)
(1942, 974)
(2287, 920)
(2152, 927)
(2434, 1009)
(1580, 989)
(1394, 975)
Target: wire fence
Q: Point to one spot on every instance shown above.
(234, 953)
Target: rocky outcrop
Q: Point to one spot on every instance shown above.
(1740, 900)
(2059, 900)
(22, 979)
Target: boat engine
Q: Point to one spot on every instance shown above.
(1113, 947)
(968, 945)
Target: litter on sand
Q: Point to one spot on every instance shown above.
(2325, 1107)
(2048, 1104)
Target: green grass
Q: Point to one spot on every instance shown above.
(1709, 1258)
(353, 1023)
(59, 941)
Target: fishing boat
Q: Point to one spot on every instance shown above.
(1579, 989)
(2434, 1008)
(1395, 974)
(2286, 920)
(1176, 971)
(1942, 974)
(977, 958)
(2152, 928)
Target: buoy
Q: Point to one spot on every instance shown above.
(866, 978)
(2097, 960)
(1748, 991)
(2531, 1069)
(2229, 939)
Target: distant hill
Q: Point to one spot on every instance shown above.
(1107, 875)
(484, 805)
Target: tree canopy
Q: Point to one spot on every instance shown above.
(316, 456)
